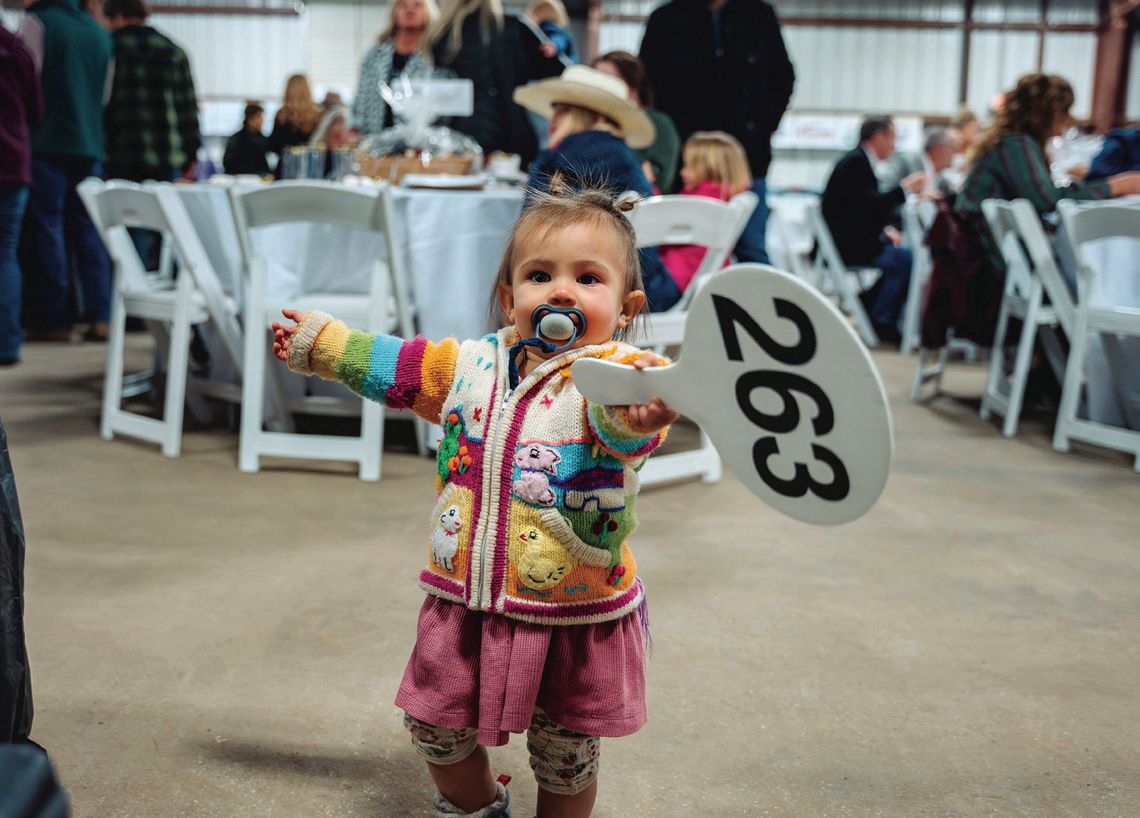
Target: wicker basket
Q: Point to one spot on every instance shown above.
(394, 168)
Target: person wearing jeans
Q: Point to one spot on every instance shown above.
(73, 57)
(22, 103)
(61, 230)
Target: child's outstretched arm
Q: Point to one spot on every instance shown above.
(632, 432)
(415, 374)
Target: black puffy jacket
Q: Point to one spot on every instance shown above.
(741, 86)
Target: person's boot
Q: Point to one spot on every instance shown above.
(499, 808)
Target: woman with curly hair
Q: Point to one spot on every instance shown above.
(1008, 161)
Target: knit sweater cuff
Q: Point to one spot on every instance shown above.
(304, 339)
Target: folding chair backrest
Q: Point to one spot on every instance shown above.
(314, 202)
(927, 212)
(1102, 221)
(1044, 262)
(196, 262)
(913, 228)
(695, 220)
(115, 206)
(1003, 226)
(825, 244)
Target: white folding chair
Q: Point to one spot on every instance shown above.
(846, 282)
(1083, 225)
(1031, 274)
(789, 221)
(384, 307)
(917, 218)
(169, 307)
(716, 226)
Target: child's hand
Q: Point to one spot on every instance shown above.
(647, 418)
(283, 333)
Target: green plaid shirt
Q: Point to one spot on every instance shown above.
(1015, 168)
(152, 117)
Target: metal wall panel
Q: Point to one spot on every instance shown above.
(1073, 56)
(238, 57)
(1132, 103)
(864, 69)
(997, 59)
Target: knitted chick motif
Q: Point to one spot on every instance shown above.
(544, 562)
(445, 538)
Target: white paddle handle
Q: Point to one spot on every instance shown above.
(616, 384)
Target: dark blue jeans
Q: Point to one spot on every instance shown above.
(13, 199)
(660, 287)
(61, 235)
(889, 293)
(750, 247)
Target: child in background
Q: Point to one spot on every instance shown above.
(551, 18)
(714, 165)
(534, 616)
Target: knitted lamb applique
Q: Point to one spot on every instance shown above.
(445, 538)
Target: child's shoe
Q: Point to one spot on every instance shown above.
(499, 808)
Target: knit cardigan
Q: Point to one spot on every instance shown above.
(535, 486)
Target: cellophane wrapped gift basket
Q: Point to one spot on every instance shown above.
(414, 144)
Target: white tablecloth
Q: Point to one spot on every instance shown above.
(1114, 380)
(452, 243)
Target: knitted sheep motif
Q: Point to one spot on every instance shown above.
(544, 562)
(445, 538)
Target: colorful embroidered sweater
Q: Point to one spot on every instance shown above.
(535, 486)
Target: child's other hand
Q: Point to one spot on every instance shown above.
(283, 333)
(647, 418)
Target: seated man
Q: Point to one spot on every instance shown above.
(858, 215)
(939, 147)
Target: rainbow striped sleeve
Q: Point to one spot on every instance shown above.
(609, 426)
(415, 374)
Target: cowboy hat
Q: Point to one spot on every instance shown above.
(589, 88)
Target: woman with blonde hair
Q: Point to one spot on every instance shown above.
(297, 118)
(498, 53)
(397, 53)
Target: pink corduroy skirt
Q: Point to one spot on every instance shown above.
(470, 669)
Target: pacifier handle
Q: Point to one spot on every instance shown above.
(558, 326)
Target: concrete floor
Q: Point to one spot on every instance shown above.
(208, 643)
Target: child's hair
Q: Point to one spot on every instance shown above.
(541, 11)
(718, 157)
(562, 206)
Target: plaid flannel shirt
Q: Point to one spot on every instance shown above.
(152, 117)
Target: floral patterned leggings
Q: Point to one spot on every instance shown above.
(563, 761)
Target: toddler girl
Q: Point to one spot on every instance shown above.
(534, 615)
(714, 165)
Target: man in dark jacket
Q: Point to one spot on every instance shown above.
(73, 57)
(152, 116)
(859, 215)
(721, 65)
